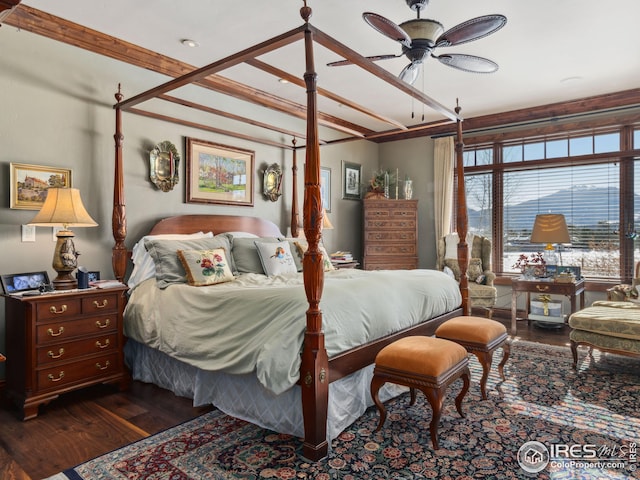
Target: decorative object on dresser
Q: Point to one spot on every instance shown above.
(63, 206)
(164, 162)
(272, 182)
(62, 342)
(219, 174)
(390, 234)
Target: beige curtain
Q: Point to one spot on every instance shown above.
(443, 168)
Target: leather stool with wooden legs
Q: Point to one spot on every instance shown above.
(481, 337)
(425, 363)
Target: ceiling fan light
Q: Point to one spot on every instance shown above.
(417, 5)
(423, 29)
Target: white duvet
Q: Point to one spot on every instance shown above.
(256, 323)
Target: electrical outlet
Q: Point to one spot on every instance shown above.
(28, 233)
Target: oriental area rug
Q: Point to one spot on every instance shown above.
(544, 421)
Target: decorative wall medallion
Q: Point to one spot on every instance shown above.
(164, 161)
(272, 182)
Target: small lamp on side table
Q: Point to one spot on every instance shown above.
(550, 228)
(63, 207)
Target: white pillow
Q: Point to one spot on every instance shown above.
(242, 234)
(276, 258)
(143, 265)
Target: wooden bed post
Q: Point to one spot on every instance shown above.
(294, 193)
(314, 371)
(119, 254)
(461, 217)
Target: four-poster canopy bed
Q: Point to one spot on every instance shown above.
(317, 370)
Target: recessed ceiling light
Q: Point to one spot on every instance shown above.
(190, 43)
(283, 80)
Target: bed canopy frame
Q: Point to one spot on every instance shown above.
(315, 372)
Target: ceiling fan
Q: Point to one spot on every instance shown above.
(421, 36)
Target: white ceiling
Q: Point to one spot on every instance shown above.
(549, 51)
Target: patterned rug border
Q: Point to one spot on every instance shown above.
(286, 449)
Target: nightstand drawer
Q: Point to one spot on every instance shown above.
(57, 308)
(62, 331)
(70, 350)
(100, 304)
(86, 370)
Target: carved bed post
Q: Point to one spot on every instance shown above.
(314, 371)
(119, 254)
(294, 193)
(461, 217)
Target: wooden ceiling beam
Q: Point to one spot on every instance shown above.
(58, 29)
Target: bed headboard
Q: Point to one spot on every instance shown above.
(216, 224)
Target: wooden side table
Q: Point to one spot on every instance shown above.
(520, 285)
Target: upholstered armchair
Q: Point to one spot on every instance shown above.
(482, 293)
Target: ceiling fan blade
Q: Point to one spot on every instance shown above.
(409, 74)
(373, 58)
(470, 30)
(387, 28)
(468, 63)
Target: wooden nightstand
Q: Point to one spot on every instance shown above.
(61, 342)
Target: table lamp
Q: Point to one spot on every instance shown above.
(550, 228)
(63, 207)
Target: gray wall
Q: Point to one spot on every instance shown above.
(56, 103)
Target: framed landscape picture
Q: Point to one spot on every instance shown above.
(351, 179)
(29, 184)
(219, 173)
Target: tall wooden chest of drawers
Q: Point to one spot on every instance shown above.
(390, 234)
(61, 342)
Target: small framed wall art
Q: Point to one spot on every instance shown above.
(351, 180)
(219, 173)
(29, 184)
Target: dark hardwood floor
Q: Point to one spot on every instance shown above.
(84, 424)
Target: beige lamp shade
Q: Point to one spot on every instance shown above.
(63, 206)
(326, 223)
(550, 228)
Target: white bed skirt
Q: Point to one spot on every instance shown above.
(242, 396)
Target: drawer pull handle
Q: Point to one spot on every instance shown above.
(53, 355)
(100, 367)
(56, 379)
(102, 325)
(53, 309)
(51, 333)
(542, 288)
(101, 305)
(100, 345)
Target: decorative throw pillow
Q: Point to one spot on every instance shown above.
(474, 270)
(276, 258)
(205, 267)
(454, 266)
(302, 246)
(169, 269)
(245, 254)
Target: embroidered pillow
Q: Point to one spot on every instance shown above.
(169, 269)
(474, 270)
(302, 246)
(205, 267)
(276, 258)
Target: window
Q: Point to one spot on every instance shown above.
(544, 176)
